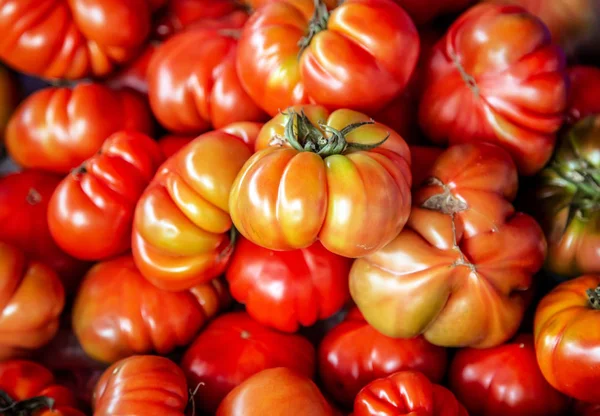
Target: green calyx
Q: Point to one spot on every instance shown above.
(10, 407)
(594, 298)
(302, 135)
(317, 23)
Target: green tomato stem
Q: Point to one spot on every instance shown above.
(10, 407)
(317, 23)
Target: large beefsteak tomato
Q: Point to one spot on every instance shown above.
(497, 77)
(460, 271)
(584, 94)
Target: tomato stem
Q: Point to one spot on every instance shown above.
(444, 202)
(10, 407)
(317, 23)
(594, 297)
(33, 197)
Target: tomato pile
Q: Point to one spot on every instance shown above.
(299, 207)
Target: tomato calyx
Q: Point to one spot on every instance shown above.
(10, 407)
(33, 197)
(467, 78)
(317, 23)
(594, 298)
(444, 202)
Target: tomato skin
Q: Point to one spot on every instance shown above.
(95, 203)
(181, 225)
(353, 354)
(491, 88)
(141, 385)
(56, 129)
(406, 393)
(276, 392)
(567, 339)
(504, 381)
(585, 409)
(118, 313)
(234, 347)
(171, 144)
(312, 284)
(584, 92)
(9, 97)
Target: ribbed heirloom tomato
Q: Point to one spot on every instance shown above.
(96, 201)
(336, 173)
(497, 77)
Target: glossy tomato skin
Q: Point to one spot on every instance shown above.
(56, 129)
(312, 284)
(584, 92)
(276, 392)
(515, 99)
(22, 380)
(171, 144)
(95, 202)
(353, 354)
(504, 381)
(406, 393)
(423, 12)
(73, 38)
(118, 313)
(31, 300)
(181, 225)
(460, 272)
(567, 339)
(234, 347)
(24, 198)
(141, 385)
(346, 65)
(9, 97)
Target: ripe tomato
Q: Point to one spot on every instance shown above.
(141, 385)
(585, 409)
(424, 157)
(460, 271)
(31, 300)
(406, 393)
(182, 224)
(73, 38)
(354, 354)
(276, 392)
(56, 129)
(504, 381)
(424, 11)
(360, 55)
(286, 289)
(118, 313)
(24, 198)
(286, 198)
(497, 77)
(8, 100)
(567, 337)
(584, 92)
(28, 388)
(95, 202)
(232, 348)
(171, 144)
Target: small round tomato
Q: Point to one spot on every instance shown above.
(171, 144)
(504, 381)
(353, 354)
(95, 202)
(567, 337)
(234, 347)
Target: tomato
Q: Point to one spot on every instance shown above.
(276, 392)
(73, 38)
(460, 271)
(585, 409)
(56, 129)
(497, 77)
(118, 313)
(406, 393)
(359, 56)
(286, 198)
(95, 202)
(24, 198)
(423, 12)
(584, 92)
(181, 225)
(566, 201)
(504, 381)
(141, 385)
(567, 337)
(171, 144)
(287, 289)
(134, 74)
(234, 347)
(424, 158)
(353, 354)
(8, 100)
(28, 388)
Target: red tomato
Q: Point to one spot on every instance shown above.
(424, 158)
(276, 392)
(232, 348)
(504, 381)
(8, 100)
(585, 409)
(24, 198)
(171, 144)
(95, 202)
(287, 289)
(567, 337)
(353, 354)
(141, 385)
(584, 93)
(424, 11)
(135, 74)
(28, 385)
(359, 56)
(406, 393)
(497, 77)
(118, 313)
(73, 38)
(56, 129)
